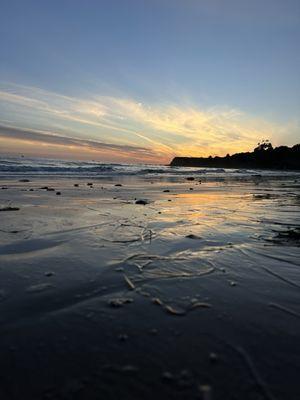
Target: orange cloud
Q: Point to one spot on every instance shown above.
(157, 132)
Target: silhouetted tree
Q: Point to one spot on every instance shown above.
(264, 145)
(263, 156)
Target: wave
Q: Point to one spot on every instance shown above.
(10, 166)
(53, 169)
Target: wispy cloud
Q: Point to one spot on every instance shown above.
(152, 131)
(97, 148)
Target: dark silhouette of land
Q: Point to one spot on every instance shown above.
(264, 156)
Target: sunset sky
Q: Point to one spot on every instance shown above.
(145, 80)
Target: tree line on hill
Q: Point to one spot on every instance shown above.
(264, 156)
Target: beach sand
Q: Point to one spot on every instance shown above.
(194, 295)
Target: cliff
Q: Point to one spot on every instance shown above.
(263, 157)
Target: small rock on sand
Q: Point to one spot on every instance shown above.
(142, 202)
(49, 273)
(167, 376)
(190, 178)
(9, 209)
(192, 236)
(213, 357)
(123, 337)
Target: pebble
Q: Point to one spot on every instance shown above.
(213, 357)
(192, 236)
(49, 273)
(9, 209)
(142, 202)
(167, 376)
(123, 337)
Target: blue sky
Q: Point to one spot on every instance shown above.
(190, 77)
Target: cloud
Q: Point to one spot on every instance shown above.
(155, 131)
(50, 139)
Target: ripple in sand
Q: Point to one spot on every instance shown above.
(164, 267)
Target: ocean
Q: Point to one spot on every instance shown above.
(19, 166)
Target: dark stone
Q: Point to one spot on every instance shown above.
(9, 209)
(143, 202)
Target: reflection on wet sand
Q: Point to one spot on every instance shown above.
(149, 291)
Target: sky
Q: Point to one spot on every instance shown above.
(145, 80)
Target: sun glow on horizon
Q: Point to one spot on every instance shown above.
(110, 128)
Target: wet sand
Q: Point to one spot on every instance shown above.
(194, 295)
